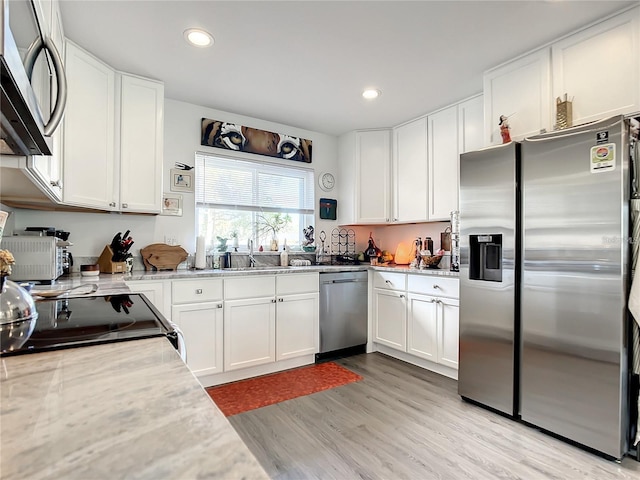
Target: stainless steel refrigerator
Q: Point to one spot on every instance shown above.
(543, 282)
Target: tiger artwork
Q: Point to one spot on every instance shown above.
(231, 136)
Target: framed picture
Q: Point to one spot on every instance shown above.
(328, 208)
(172, 204)
(181, 180)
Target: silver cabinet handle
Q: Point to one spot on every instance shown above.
(395, 219)
(55, 183)
(38, 45)
(219, 305)
(125, 205)
(112, 204)
(198, 291)
(388, 282)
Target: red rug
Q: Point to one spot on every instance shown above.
(245, 395)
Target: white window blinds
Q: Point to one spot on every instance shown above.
(252, 186)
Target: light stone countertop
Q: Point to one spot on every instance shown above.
(121, 410)
(116, 283)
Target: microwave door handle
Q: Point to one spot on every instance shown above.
(61, 79)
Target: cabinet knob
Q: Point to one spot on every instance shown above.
(436, 287)
(219, 305)
(401, 296)
(112, 204)
(125, 205)
(273, 300)
(433, 300)
(281, 299)
(395, 219)
(386, 220)
(198, 291)
(388, 282)
(56, 183)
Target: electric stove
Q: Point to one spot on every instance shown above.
(84, 321)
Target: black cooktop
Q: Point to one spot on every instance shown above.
(83, 321)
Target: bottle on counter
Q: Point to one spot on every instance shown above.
(284, 255)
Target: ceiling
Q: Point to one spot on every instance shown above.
(305, 63)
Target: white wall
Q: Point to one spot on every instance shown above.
(91, 231)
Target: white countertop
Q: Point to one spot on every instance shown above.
(130, 409)
(115, 283)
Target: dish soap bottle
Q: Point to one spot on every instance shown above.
(284, 255)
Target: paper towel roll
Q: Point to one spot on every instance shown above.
(201, 261)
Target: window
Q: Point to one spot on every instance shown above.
(243, 197)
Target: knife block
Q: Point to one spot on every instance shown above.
(109, 266)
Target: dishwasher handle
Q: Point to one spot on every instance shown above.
(344, 280)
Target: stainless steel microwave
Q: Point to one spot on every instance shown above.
(24, 128)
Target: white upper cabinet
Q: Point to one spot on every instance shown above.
(471, 124)
(521, 90)
(410, 172)
(443, 163)
(364, 182)
(141, 130)
(599, 68)
(89, 126)
(112, 137)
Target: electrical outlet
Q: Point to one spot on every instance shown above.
(170, 240)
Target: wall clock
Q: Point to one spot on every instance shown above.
(326, 181)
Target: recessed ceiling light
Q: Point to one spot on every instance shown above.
(198, 38)
(371, 93)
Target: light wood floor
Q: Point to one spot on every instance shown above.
(403, 422)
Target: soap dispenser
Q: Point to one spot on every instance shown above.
(284, 255)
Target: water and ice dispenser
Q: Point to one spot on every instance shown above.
(485, 257)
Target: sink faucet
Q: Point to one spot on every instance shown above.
(252, 260)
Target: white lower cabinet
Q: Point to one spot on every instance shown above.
(417, 315)
(297, 326)
(156, 292)
(433, 329)
(201, 325)
(390, 326)
(249, 332)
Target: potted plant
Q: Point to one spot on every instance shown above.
(222, 244)
(272, 223)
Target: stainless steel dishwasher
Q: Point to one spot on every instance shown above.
(343, 314)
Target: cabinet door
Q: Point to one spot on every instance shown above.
(599, 68)
(297, 327)
(520, 90)
(443, 163)
(141, 131)
(390, 318)
(471, 124)
(373, 162)
(422, 339)
(249, 332)
(155, 293)
(448, 332)
(201, 324)
(410, 172)
(88, 131)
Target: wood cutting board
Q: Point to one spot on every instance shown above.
(161, 256)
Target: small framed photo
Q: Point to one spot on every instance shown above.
(172, 204)
(328, 208)
(181, 180)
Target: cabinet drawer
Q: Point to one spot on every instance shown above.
(196, 291)
(297, 283)
(437, 286)
(390, 280)
(254, 286)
